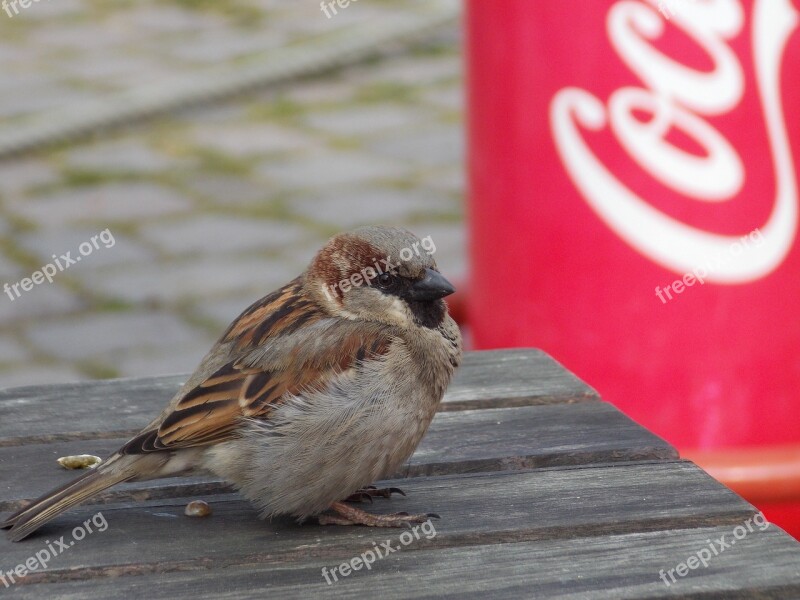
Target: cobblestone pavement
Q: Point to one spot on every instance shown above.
(209, 208)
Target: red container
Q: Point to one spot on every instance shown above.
(634, 204)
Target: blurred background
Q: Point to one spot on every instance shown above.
(609, 153)
(211, 205)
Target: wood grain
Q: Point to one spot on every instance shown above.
(119, 408)
(457, 442)
(474, 509)
(618, 567)
(543, 490)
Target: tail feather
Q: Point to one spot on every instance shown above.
(47, 507)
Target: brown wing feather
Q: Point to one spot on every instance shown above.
(210, 412)
(279, 313)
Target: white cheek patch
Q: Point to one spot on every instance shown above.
(399, 310)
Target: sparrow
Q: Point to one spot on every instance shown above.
(313, 393)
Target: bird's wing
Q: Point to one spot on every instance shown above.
(278, 347)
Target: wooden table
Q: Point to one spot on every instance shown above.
(543, 491)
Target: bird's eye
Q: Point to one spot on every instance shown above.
(385, 279)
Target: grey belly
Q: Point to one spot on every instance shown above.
(305, 459)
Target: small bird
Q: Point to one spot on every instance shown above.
(313, 393)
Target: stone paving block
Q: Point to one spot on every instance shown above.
(322, 169)
(312, 20)
(218, 46)
(81, 36)
(245, 139)
(35, 99)
(104, 203)
(451, 179)
(11, 351)
(415, 70)
(45, 11)
(164, 19)
(228, 190)
(19, 175)
(145, 74)
(321, 91)
(298, 257)
(11, 54)
(127, 155)
(45, 299)
(123, 250)
(269, 5)
(9, 270)
(117, 68)
(19, 79)
(451, 246)
(369, 120)
(224, 311)
(163, 359)
(371, 205)
(217, 234)
(89, 336)
(450, 97)
(22, 375)
(431, 147)
(216, 113)
(195, 280)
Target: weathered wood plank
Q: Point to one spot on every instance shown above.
(475, 509)
(457, 442)
(518, 377)
(765, 564)
(82, 411)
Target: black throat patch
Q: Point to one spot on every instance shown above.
(428, 314)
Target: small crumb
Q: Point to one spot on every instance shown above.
(81, 461)
(197, 508)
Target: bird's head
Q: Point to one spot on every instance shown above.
(383, 274)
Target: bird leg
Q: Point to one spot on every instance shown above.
(350, 515)
(370, 492)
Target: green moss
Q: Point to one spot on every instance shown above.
(238, 12)
(97, 370)
(344, 143)
(385, 91)
(207, 324)
(18, 255)
(279, 109)
(72, 177)
(212, 161)
(113, 305)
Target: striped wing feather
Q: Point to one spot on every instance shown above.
(286, 363)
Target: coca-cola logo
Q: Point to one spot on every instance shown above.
(681, 97)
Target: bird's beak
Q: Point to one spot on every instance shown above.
(432, 287)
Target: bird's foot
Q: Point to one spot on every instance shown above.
(370, 492)
(350, 515)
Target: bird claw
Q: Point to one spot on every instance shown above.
(370, 492)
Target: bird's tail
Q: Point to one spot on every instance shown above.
(47, 507)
